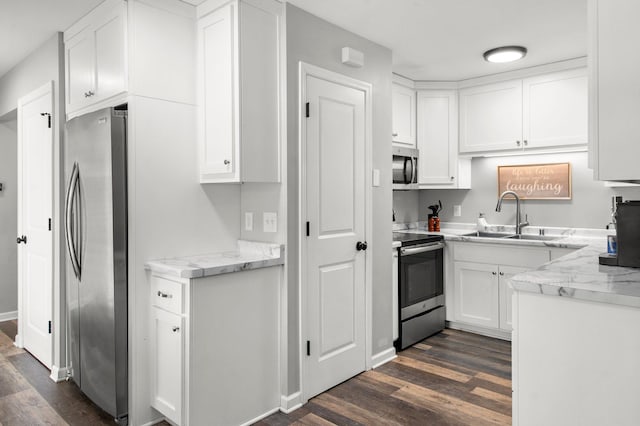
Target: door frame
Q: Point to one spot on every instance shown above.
(42, 90)
(308, 70)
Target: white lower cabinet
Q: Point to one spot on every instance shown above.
(479, 298)
(214, 347)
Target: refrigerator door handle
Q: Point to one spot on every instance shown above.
(70, 231)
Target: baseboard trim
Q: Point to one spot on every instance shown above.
(18, 341)
(59, 374)
(289, 403)
(8, 316)
(156, 421)
(383, 357)
(497, 334)
(260, 417)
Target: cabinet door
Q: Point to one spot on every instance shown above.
(506, 295)
(555, 109)
(615, 88)
(476, 293)
(404, 115)
(491, 117)
(219, 111)
(167, 345)
(437, 127)
(80, 71)
(110, 53)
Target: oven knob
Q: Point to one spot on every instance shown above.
(361, 245)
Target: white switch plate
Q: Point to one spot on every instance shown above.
(376, 177)
(270, 222)
(248, 221)
(457, 211)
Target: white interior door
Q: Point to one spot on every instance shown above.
(35, 205)
(335, 208)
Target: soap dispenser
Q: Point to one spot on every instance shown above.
(481, 223)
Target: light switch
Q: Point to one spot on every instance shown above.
(376, 177)
(270, 222)
(248, 221)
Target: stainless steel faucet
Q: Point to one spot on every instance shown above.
(519, 223)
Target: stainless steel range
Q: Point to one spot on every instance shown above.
(420, 287)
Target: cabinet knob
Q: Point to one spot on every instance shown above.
(88, 94)
(165, 295)
(494, 273)
(501, 274)
(175, 329)
(226, 162)
(394, 134)
(518, 143)
(453, 177)
(526, 142)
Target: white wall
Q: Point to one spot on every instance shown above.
(8, 217)
(588, 208)
(319, 43)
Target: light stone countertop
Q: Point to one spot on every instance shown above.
(248, 255)
(577, 275)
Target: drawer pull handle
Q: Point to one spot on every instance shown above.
(165, 295)
(175, 329)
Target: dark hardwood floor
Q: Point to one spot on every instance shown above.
(452, 378)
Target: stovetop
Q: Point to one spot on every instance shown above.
(411, 239)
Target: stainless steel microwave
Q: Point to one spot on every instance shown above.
(405, 168)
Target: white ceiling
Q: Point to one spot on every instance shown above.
(445, 39)
(430, 39)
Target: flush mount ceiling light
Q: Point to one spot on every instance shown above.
(505, 54)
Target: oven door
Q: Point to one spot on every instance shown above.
(421, 279)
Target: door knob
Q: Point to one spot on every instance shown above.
(22, 239)
(361, 245)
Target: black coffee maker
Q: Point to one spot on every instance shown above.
(628, 233)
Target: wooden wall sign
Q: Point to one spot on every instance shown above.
(536, 181)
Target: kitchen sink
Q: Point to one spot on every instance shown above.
(529, 237)
(533, 237)
(481, 234)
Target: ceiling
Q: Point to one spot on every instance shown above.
(430, 39)
(445, 39)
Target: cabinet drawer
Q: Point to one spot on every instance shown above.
(503, 255)
(167, 294)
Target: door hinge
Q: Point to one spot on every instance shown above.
(49, 224)
(308, 348)
(48, 118)
(308, 226)
(307, 109)
(49, 327)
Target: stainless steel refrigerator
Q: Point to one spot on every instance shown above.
(96, 239)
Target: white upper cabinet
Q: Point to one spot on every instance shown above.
(239, 89)
(95, 57)
(403, 115)
(543, 112)
(555, 109)
(614, 89)
(437, 124)
(491, 117)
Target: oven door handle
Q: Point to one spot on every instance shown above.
(421, 249)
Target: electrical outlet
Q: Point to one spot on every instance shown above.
(248, 221)
(457, 211)
(270, 222)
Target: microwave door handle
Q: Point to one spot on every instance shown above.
(404, 169)
(422, 249)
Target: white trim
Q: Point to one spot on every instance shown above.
(59, 374)
(483, 331)
(306, 70)
(403, 81)
(111, 101)
(260, 417)
(289, 403)
(8, 316)
(18, 342)
(383, 357)
(436, 85)
(156, 421)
